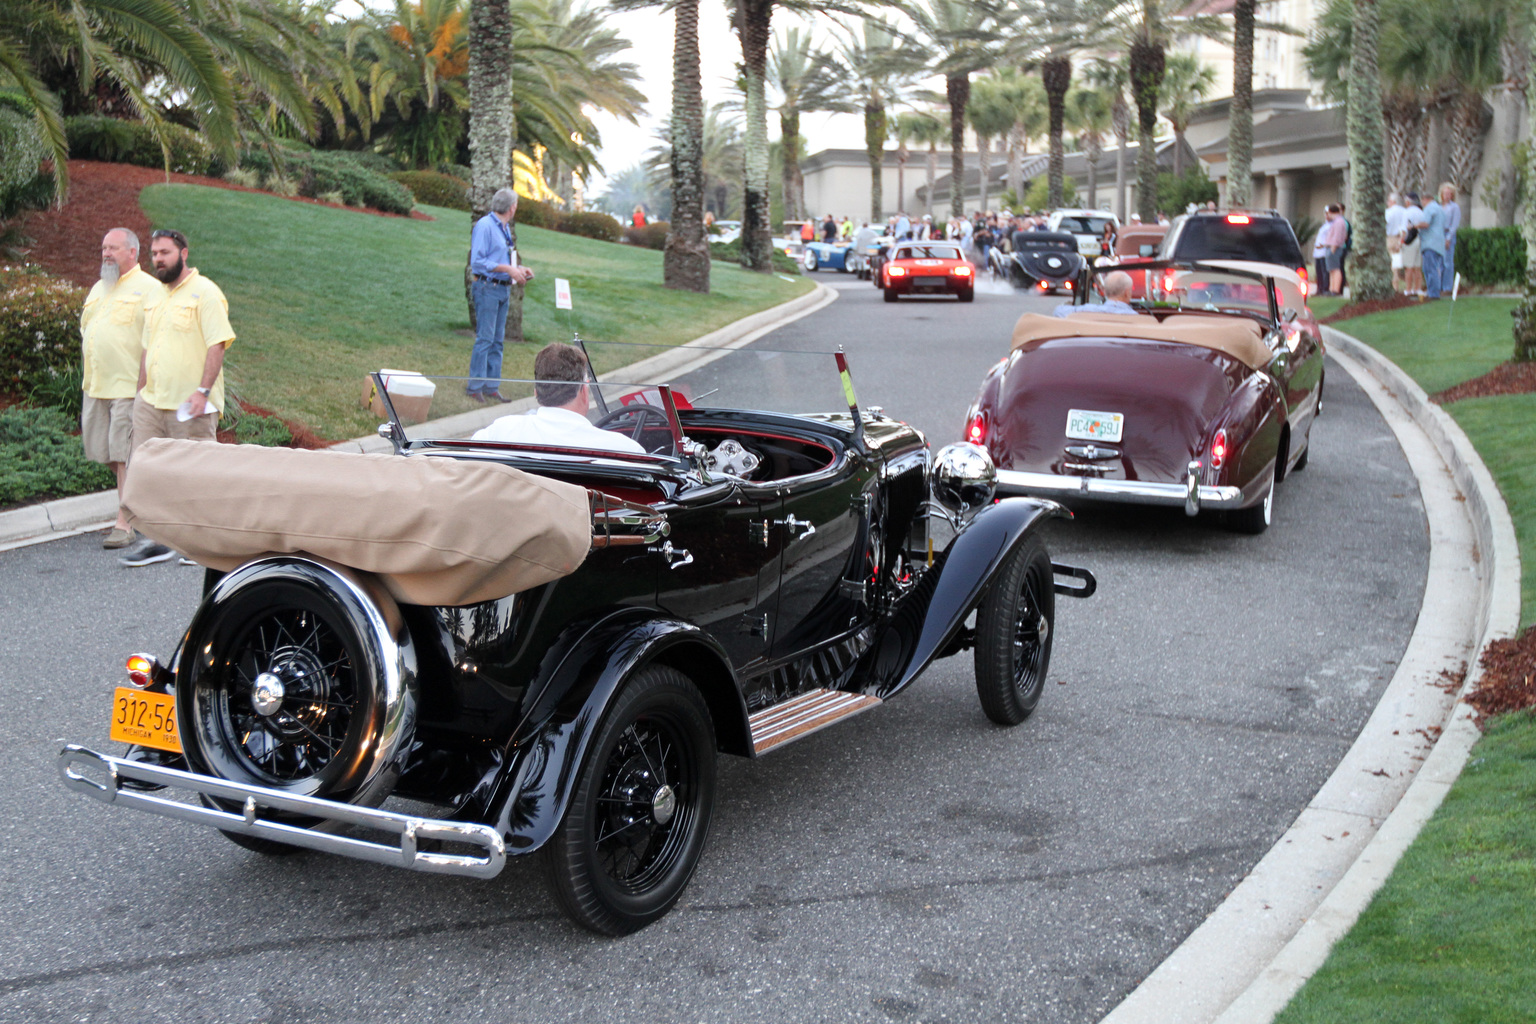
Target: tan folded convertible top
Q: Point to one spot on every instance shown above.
(1238, 337)
(437, 531)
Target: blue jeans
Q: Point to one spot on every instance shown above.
(1448, 275)
(1434, 266)
(490, 330)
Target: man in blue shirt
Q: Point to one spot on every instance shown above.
(1118, 288)
(1432, 247)
(493, 265)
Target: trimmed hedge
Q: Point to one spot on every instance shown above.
(40, 457)
(1491, 255)
(536, 214)
(652, 236)
(317, 172)
(39, 328)
(590, 225)
(114, 141)
(435, 189)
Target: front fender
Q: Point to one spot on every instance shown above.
(933, 613)
(553, 742)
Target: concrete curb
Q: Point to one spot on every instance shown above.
(66, 517)
(1276, 928)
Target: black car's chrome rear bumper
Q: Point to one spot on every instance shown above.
(413, 831)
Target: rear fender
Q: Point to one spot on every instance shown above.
(1255, 423)
(931, 616)
(551, 746)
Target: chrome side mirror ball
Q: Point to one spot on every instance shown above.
(964, 477)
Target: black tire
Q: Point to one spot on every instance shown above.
(1014, 635)
(343, 712)
(890, 295)
(1256, 518)
(656, 736)
(968, 295)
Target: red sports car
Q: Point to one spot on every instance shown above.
(1202, 395)
(927, 268)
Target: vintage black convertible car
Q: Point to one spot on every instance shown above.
(1047, 260)
(550, 643)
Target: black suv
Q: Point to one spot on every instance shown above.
(1261, 235)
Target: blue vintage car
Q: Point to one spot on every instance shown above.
(830, 256)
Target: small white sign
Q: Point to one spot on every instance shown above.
(562, 293)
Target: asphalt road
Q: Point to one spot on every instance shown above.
(914, 864)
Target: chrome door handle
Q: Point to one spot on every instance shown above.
(797, 527)
(676, 557)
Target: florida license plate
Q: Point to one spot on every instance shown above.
(148, 719)
(1087, 425)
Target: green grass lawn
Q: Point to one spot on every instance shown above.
(319, 296)
(1452, 935)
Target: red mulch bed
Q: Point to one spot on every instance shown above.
(1505, 379)
(1355, 309)
(303, 437)
(105, 196)
(1509, 676)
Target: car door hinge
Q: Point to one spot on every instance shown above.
(760, 530)
(757, 625)
(861, 504)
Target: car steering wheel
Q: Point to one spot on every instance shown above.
(641, 413)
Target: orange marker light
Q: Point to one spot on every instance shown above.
(141, 668)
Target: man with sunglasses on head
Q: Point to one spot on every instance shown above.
(181, 369)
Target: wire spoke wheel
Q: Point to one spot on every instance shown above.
(1013, 635)
(637, 823)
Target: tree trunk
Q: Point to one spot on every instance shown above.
(1465, 121)
(1240, 122)
(1370, 276)
(794, 181)
(1093, 149)
(1525, 313)
(902, 155)
(1121, 115)
(984, 158)
(756, 239)
(685, 261)
(1147, 64)
(1056, 76)
(957, 88)
(1517, 69)
(874, 151)
(1016, 142)
(491, 131)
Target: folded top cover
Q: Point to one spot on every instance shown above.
(1236, 336)
(437, 531)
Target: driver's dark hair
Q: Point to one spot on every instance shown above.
(558, 362)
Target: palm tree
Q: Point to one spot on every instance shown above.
(1525, 313)
(965, 38)
(798, 74)
(877, 64)
(1240, 119)
(685, 263)
(992, 116)
(1185, 83)
(489, 63)
(1062, 27)
(1370, 275)
(928, 130)
(907, 127)
(1113, 77)
(1088, 111)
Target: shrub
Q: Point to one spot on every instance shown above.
(536, 214)
(256, 428)
(281, 186)
(454, 171)
(111, 140)
(316, 172)
(436, 189)
(39, 329)
(58, 388)
(40, 457)
(1175, 194)
(245, 177)
(652, 236)
(332, 197)
(591, 225)
(367, 159)
(1490, 255)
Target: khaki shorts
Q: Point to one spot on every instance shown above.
(106, 428)
(1411, 258)
(150, 422)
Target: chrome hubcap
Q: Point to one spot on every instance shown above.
(267, 694)
(663, 805)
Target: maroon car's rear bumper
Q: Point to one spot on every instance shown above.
(1192, 494)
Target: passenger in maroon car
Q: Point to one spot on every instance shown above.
(1117, 298)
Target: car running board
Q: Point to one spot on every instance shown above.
(798, 717)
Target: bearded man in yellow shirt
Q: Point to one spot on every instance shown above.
(181, 369)
(112, 341)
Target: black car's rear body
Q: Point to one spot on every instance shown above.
(1045, 260)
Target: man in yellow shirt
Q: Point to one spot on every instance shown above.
(112, 340)
(181, 369)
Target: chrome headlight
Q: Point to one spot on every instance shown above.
(963, 476)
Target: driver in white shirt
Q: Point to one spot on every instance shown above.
(560, 421)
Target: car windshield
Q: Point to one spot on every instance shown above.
(928, 252)
(1187, 286)
(636, 411)
(1083, 225)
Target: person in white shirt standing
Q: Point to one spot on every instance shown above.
(1397, 223)
(560, 421)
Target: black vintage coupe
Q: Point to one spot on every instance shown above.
(1045, 260)
(548, 643)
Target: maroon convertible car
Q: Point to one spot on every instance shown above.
(1204, 398)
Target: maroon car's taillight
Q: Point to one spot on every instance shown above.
(1219, 449)
(141, 669)
(976, 429)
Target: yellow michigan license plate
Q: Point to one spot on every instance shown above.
(148, 719)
